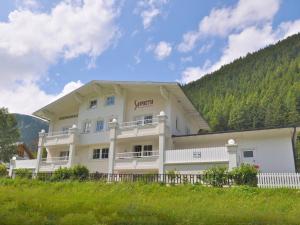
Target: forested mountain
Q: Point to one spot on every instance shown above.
(29, 128)
(259, 90)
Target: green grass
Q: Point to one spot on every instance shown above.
(75, 203)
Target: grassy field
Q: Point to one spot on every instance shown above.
(75, 203)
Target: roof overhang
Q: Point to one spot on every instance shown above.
(71, 101)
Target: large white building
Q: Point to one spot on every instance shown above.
(147, 127)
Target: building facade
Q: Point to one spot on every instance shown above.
(147, 127)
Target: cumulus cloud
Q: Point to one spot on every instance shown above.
(222, 21)
(149, 10)
(247, 41)
(28, 97)
(31, 41)
(161, 51)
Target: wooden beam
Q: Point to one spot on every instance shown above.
(164, 93)
(78, 97)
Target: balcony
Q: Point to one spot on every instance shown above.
(147, 160)
(58, 138)
(146, 127)
(53, 163)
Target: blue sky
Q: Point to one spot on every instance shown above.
(48, 48)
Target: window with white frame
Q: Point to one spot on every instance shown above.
(96, 153)
(177, 123)
(87, 126)
(99, 125)
(187, 130)
(65, 130)
(100, 153)
(143, 119)
(110, 100)
(93, 104)
(64, 155)
(104, 153)
(147, 150)
(248, 154)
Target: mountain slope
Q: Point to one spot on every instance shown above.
(259, 90)
(29, 127)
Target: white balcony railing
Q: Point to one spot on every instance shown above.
(57, 133)
(201, 155)
(55, 159)
(139, 123)
(132, 155)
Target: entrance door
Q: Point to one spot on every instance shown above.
(137, 151)
(248, 156)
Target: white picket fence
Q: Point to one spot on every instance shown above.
(278, 180)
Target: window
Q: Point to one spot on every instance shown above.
(148, 119)
(187, 131)
(142, 120)
(100, 153)
(147, 150)
(87, 126)
(177, 123)
(137, 151)
(110, 100)
(248, 154)
(93, 104)
(65, 130)
(99, 125)
(96, 154)
(64, 155)
(104, 154)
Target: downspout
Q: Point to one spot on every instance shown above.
(294, 148)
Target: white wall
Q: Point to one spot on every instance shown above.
(273, 148)
(84, 156)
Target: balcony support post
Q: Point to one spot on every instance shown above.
(112, 147)
(42, 136)
(162, 117)
(232, 149)
(72, 132)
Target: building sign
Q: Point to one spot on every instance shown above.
(196, 155)
(143, 104)
(67, 117)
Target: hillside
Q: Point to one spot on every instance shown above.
(29, 127)
(259, 90)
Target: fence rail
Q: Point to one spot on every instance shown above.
(278, 180)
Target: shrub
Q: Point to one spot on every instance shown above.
(3, 170)
(62, 174)
(23, 173)
(216, 176)
(244, 175)
(80, 172)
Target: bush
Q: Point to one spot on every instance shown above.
(62, 174)
(245, 175)
(23, 173)
(3, 170)
(216, 176)
(80, 172)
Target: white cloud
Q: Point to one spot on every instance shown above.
(222, 21)
(161, 51)
(247, 41)
(30, 42)
(27, 4)
(149, 10)
(186, 59)
(28, 97)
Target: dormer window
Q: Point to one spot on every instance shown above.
(93, 104)
(110, 100)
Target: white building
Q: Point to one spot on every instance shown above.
(147, 127)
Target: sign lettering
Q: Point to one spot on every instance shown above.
(143, 104)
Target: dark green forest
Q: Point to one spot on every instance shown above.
(259, 90)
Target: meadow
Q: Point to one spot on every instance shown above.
(74, 203)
